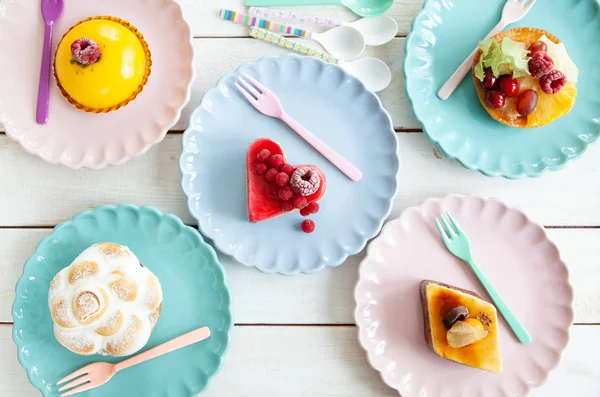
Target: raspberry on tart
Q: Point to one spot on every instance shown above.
(544, 78)
(266, 197)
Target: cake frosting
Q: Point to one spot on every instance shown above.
(105, 302)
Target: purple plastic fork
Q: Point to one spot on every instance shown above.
(52, 10)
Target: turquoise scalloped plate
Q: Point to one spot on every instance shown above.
(442, 36)
(195, 295)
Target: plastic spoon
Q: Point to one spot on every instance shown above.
(364, 8)
(372, 72)
(376, 31)
(343, 42)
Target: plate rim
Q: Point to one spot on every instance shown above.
(360, 325)
(473, 166)
(219, 267)
(164, 129)
(295, 271)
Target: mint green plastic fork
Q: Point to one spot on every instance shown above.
(458, 244)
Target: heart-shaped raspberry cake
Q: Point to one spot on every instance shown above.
(275, 187)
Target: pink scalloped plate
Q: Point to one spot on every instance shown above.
(76, 138)
(517, 257)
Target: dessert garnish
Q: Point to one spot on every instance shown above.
(308, 226)
(85, 51)
(305, 181)
(464, 333)
(459, 313)
(525, 77)
(453, 330)
(276, 187)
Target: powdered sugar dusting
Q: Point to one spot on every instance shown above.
(118, 345)
(76, 342)
(86, 305)
(112, 325)
(60, 314)
(82, 270)
(112, 303)
(126, 290)
(152, 298)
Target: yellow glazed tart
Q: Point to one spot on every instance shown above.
(101, 64)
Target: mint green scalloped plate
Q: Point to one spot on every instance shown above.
(194, 289)
(442, 36)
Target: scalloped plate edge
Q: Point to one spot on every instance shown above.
(348, 253)
(221, 276)
(103, 164)
(474, 167)
(361, 330)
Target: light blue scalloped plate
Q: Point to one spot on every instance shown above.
(194, 292)
(338, 109)
(442, 36)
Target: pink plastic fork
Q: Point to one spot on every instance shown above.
(52, 10)
(97, 374)
(268, 104)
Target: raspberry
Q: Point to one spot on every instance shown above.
(287, 205)
(261, 169)
(273, 190)
(263, 155)
(85, 51)
(285, 193)
(305, 181)
(299, 202)
(553, 82)
(287, 168)
(540, 64)
(308, 226)
(271, 174)
(276, 160)
(282, 179)
(313, 207)
(305, 211)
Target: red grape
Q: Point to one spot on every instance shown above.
(489, 81)
(495, 99)
(508, 85)
(526, 102)
(537, 47)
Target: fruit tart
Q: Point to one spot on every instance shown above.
(525, 77)
(460, 326)
(275, 187)
(101, 64)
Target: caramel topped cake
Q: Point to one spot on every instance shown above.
(461, 326)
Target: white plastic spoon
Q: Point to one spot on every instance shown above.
(372, 72)
(343, 42)
(376, 30)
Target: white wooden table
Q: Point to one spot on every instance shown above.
(303, 343)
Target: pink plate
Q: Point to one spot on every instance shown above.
(518, 258)
(75, 138)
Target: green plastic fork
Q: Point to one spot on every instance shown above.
(458, 244)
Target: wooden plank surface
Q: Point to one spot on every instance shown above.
(323, 298)
(298, 352)
(32, 193)
(324, 362)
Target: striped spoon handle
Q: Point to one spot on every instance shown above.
(280, 41)
(244, 19)
(270, 13)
